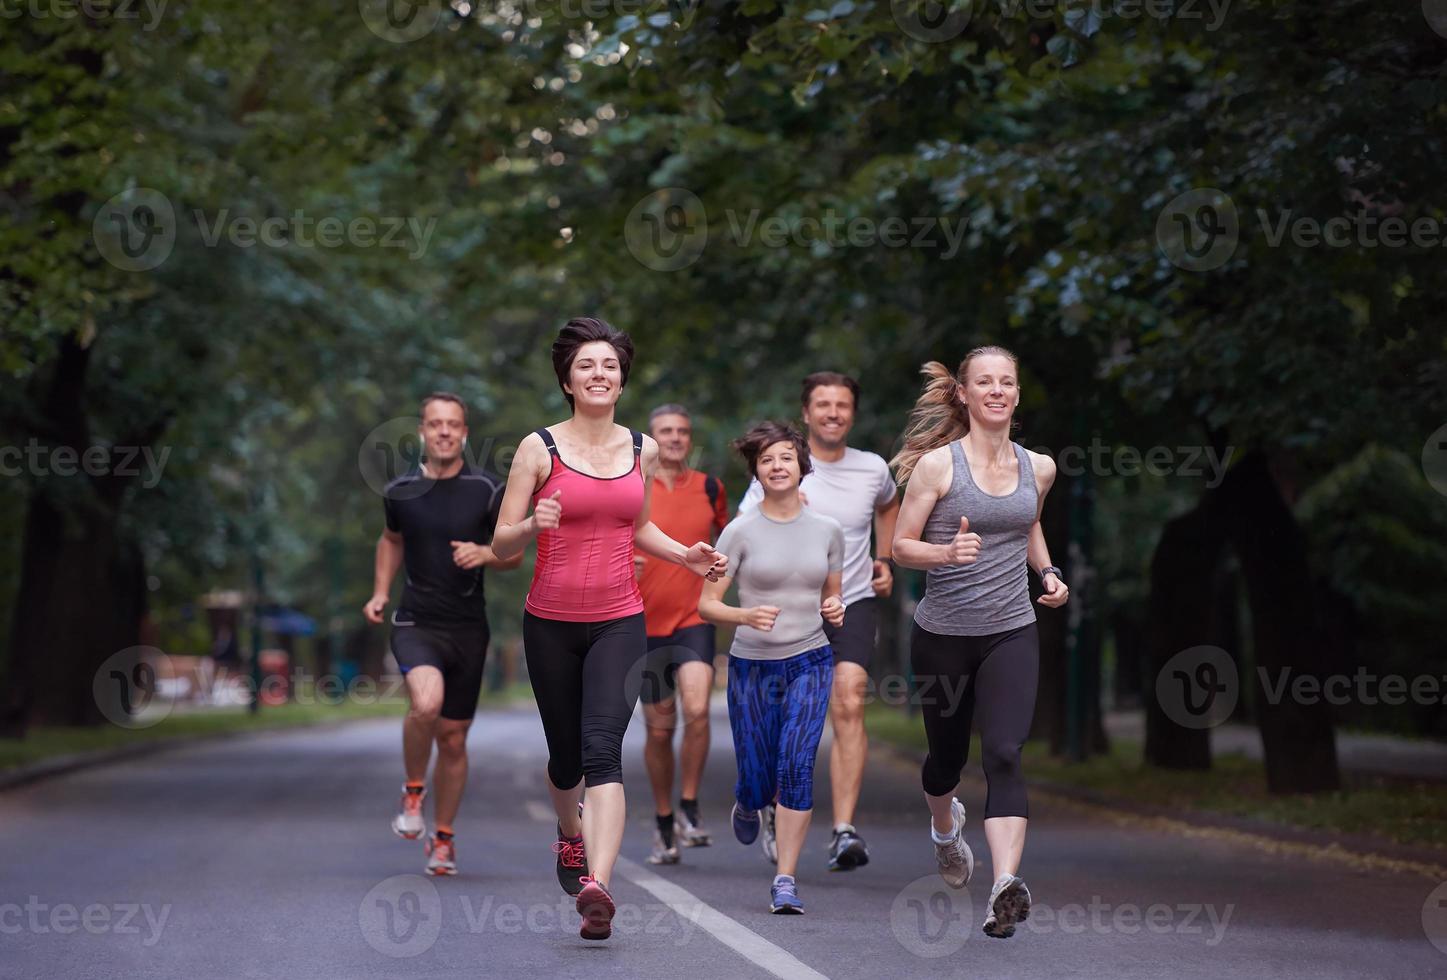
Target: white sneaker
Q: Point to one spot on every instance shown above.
(664, 852)
(767, 839)
(956, 860)
(408, 823)
(1009, 904)
(441, 856)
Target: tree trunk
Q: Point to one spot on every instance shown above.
(82, 583)
(1297, 736)
(1178, 618)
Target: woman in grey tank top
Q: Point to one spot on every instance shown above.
(971, 521)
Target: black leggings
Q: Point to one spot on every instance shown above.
(990, 677)
(586, 682)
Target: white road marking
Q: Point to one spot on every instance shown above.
(733, 934)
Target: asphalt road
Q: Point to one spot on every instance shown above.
(270, 857)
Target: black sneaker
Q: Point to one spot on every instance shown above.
(847, 851)
(572, 860)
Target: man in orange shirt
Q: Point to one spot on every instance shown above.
(680, 645)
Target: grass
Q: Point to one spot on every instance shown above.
(48, 742)
(1391, 809)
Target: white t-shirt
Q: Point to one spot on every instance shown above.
(848, 491)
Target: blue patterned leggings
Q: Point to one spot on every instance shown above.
(777, 710)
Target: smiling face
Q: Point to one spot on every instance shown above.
(778, 467)
(829, 415)
(990, 390)
(674, 434)
(595, 379)
(443, 431)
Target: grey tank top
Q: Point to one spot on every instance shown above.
(992, 594)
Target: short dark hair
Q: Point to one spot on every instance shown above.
(582, 330)
(672, 408)
(752, 443)
(443, 396)
(821, 378)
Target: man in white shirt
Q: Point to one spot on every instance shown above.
(856, 489)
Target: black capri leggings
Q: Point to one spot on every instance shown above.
(992, 678)
(586, 683)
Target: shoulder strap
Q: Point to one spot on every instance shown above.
(637, 442)
(548, 441)
(711, 487)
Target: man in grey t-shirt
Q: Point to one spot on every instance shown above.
(855, 488)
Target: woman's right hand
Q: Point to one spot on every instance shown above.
(548, 514)
(964, 547)
(762, 617)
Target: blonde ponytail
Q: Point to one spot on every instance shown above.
(938, 417)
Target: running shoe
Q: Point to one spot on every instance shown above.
(408, 824)
(689, 829)
(595, 905)
(956, 860)
(784, 897)
(572, 860)
(441, 856)
(746, 824)
(847, 851)
(665, 849)
(766, 836)
(1009, 904)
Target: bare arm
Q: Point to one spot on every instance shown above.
(1037, 552)
(515, 529)
(700, 558)
(384, 570)
(930, 480)
(831, 601)
(712, 609)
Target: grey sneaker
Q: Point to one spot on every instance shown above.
(1009, 904)
(956, 860)
(766, 835)
(690, 832)
(664, 851)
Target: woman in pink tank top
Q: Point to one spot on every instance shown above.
(588, 481)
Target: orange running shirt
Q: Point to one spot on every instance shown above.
(687, 515)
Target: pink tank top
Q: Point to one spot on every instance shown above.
(584, 571)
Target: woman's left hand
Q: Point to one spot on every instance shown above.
(703, 559)
(1056, 592)
(833, 611)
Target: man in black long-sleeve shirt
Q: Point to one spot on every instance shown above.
(438, 522)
